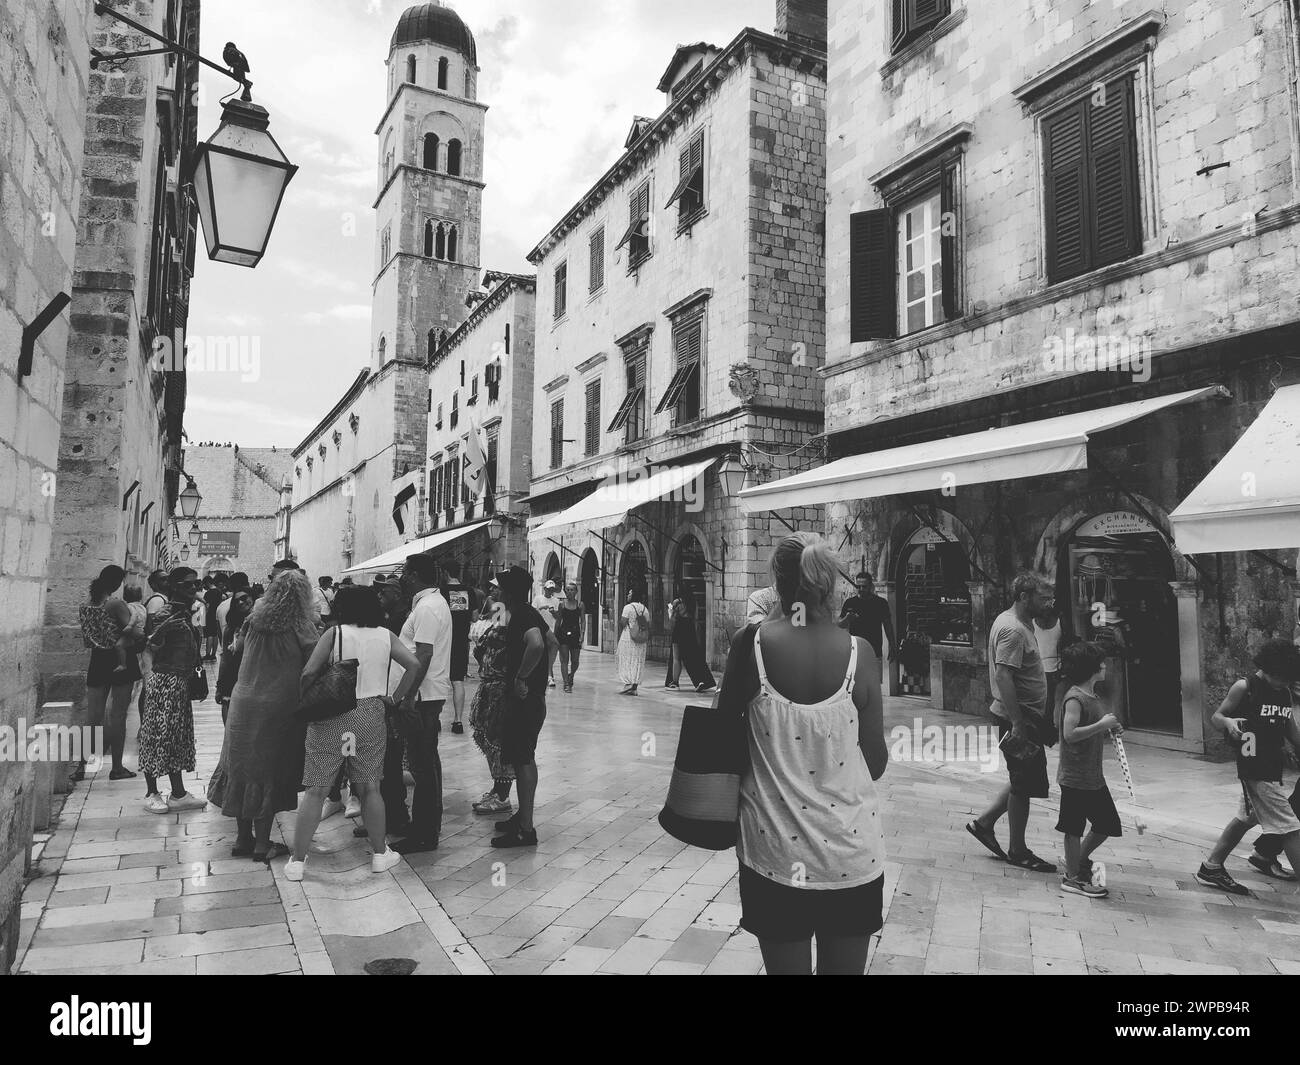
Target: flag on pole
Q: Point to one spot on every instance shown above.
(406, 491)
(474, 472)
(1128, 778)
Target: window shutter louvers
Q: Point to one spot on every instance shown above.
(1066, 193)
(872, 296)
(1113, 172)
(948, 241)
(593, 418)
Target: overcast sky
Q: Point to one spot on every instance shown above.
(562, 80)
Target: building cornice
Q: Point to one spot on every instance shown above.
(746, 43)
(555, 383)
(509, 283)
(591, 363)
(682, 305)
(399, 167)
(353, 391)
(1133, 31)
(633, 337)
(436, 93)
(955, 137)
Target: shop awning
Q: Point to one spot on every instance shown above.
(610, 503)
(1033, 449)
(1250, 501)
(394, 558)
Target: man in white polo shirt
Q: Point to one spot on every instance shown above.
(427, 632)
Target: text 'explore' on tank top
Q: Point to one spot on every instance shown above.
(809, 814)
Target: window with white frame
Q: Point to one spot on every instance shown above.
(920, 264)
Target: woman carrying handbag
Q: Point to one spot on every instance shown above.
(345, 689)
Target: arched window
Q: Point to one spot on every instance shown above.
(431, 151)
(428, 239)
(451, 242)
(442, 72)
(383, 350)
(453, 158)
(440, 242)
(410, 69)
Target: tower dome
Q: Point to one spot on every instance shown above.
(437, 23)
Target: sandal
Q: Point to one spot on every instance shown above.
(276, 851)
(1027, 859)
(121, 774)
(242, 850)
(986, 837)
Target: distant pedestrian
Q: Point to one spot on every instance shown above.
(1084, 795)
(811, 847)
(213, 597)
(634, 636)
(1019, 704)
(488, 708)
(462, 602)
(234, 612)
(568, 633)
(111, 674)
(166, 740)
(1258, 714)
(321, 595)
(261, 763)
(354, 741)
(867, 615)
(525, 707)
(547, 604)
(686, 649)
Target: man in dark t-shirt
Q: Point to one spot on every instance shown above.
(526, 675)
(867, 615)
(463, 602)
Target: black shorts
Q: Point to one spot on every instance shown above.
(459, 659)
(1028, 775)
(521, 724)
(1084, 804)
(785, 914)
(102, 663)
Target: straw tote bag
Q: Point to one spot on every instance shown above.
(703, 805)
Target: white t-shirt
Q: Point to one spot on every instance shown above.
(373, 650)
(429, 622)
(547, 606)
(1049, 643)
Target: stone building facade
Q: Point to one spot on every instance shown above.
(680, 319)
(44, 70)
(1096, 209)
(428, 229)
(241, 495)
(120, 447)
(481, 380)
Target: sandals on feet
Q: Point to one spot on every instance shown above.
(1027, 859)
(276, 851)
(986, 837)
(242, 850)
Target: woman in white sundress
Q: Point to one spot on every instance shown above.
(811, 846)
(634, 638)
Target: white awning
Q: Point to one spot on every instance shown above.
(1250, 501)
(394, 558)
(609, 504)
(1034, 449)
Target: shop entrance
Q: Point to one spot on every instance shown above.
(690, 584)
(1116, 572)
(933, 604)
(589, 593)
(632, 573)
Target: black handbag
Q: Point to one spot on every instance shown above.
(334, 692)
(703, 804)
(198, 684)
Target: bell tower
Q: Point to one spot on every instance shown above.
(429, 207)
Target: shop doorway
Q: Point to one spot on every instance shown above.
(552, 570)
(589, 594)
(933, 605)
(632, 573)
(690, 584)
(1116, 569)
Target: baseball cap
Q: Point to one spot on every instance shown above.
(550, 586)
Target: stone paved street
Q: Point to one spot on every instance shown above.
(123, 891)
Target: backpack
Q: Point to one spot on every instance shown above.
(640, 626)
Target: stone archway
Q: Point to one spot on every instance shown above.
(688, 572)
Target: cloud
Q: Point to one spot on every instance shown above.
(271, 420)
(350, 312)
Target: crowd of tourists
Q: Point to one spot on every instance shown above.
(803, 678)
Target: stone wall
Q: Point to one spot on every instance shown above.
(44, 65)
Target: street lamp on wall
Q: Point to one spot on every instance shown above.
(195, 535)
(190, 498)
(185, 552)
(732, 474)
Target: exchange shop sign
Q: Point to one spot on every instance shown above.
(219, 543)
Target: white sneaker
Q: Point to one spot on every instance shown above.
(490, 793)
(353, 808)
(188, 801)
(294, 869)
(156, 804)
(381, 863)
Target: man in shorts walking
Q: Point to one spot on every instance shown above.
(1019, 704)
(1258, 714)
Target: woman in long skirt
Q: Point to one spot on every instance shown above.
(631, 651)
(686, 650)
(485, 715)
(167, 728)
(262, 754)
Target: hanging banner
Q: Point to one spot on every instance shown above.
(219, 543)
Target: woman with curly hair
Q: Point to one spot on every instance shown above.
(262, 755)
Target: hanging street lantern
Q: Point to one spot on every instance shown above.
(185, 552)
(732, 474)
(190, 499)
(496, 530)
(240, 175)
(195, 536)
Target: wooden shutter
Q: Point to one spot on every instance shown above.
(557, 434)
(597, 249)
(899, 29)
(593, 417)
(686, 339)
(1066, 191)
(925, 13)
(872, 282)
(561, 283)
(1112, 166)
(948, 241)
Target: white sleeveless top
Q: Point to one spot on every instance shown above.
(372, 648)
(809, 816)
